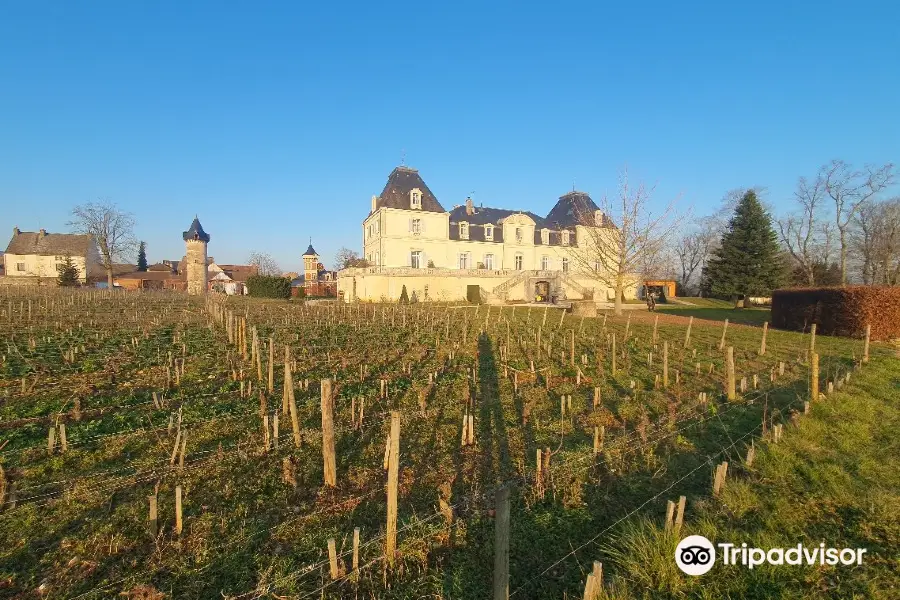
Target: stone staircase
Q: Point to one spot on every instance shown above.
(502, 290)
(586, 292)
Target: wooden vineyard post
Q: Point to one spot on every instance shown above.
(729, 368)
(670, 515)
(665, 364)
(328, 456)
(63, 443)
(679, 514)
(51, 439)
(292, 405)
(813, 376)
(719, 481)
(722, 341)
(332, 559)
(178, 520)
(594, 583)
(393, 482)
(812, 338)
(271, 365)
(613, 355)
(655, 326)
(572, 347)
(501, 544)
(356, 550)
(687, 334)
(762, 343)
(154, 516)
(865, 358)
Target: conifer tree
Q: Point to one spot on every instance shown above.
(748, 260)
(404, 296)
(68, 273)
(142, 257)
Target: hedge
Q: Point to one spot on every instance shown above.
(839, 310)
(269, 286)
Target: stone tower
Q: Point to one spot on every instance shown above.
(196, 268)
(310, 266)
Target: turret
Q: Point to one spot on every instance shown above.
(196, 268)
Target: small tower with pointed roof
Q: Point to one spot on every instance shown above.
(197, 273)
(310, 266)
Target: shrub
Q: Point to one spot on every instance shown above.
(269, 286)
(404, 296)
(839, 310)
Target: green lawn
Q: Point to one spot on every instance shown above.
(834, 478)
(716, 310)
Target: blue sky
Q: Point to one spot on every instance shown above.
(277, 121)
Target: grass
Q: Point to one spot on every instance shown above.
(80, 525)
(834, 478)
(712, 309)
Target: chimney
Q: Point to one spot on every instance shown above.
(470, 208)
(374, 203)
(16, 231)
(43, 232)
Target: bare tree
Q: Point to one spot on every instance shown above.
(613, 256)
(800, 232)
(111, 228)
(693, 248)
(875, 238)
(850, 189)
(264, 263)
(345, 258)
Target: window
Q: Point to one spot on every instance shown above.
(489, 261)
(377, 258)
(565, 264)
(545, 263)
(464, 260)
(415, 198)
(565, 238)
(597, 266)
(518, 235)
(545, 236)
(377, 227)
(489, 232)
(426, 291)
(518, 262)
(415, 259)
(463, 231)
(416, 226)
(20, 266)
(598, 218)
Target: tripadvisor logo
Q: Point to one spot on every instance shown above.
(696, 555)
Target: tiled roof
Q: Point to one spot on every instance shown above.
(49, 244)
(195, 232)
(400, 183)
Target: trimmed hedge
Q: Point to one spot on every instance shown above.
(269, 286)
(839, 310)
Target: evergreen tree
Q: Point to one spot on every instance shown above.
(404, 296)
(68, 273)
(748, 261)
(142, 257)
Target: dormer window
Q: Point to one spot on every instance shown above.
(598, 218)
(545, 236)
(518, 235)
(463, 231)
(565, 238)
(489, 232)
(415, 199)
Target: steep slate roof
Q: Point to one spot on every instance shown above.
(195, 232)
(310, 251)
(400, 183)
(49, 244)
(570, 207)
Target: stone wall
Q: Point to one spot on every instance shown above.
(197, 272)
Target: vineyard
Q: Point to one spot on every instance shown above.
(155, 445)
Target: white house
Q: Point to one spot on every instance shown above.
(38, 255)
